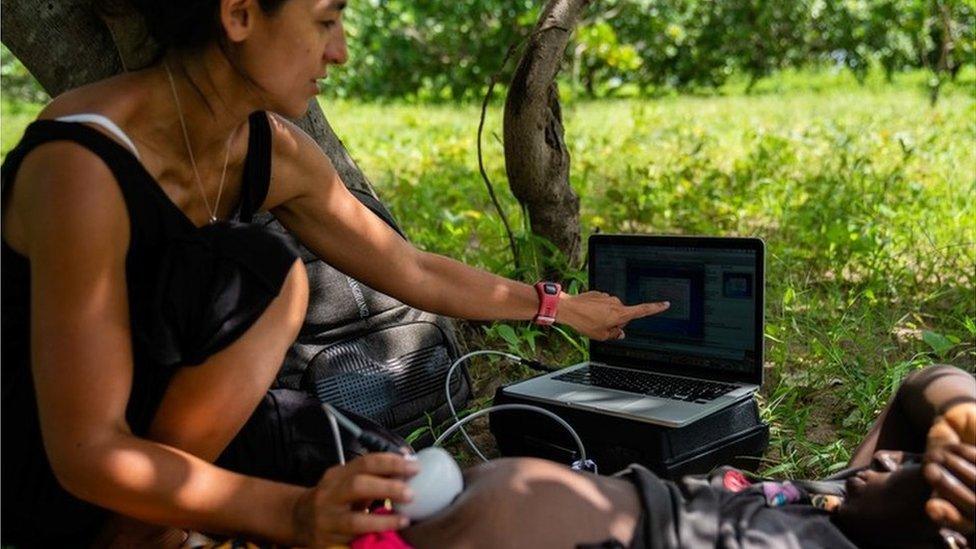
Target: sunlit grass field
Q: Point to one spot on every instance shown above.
(864, 196)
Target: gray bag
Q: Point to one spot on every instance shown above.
(364, 351)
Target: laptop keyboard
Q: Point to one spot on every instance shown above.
(647, 383)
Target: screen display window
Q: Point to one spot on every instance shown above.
(711, 324)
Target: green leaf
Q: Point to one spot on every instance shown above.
(970, 325)
(837, 466)
(852, 419)
(529, 336)
(417, 433)
(508, 334)
(939, 343)
(572, 341)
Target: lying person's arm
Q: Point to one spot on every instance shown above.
(945, 399)
(76, 236)
(922, 401)
(934, 412)
(941, 393)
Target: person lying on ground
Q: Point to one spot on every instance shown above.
(914, 474)
(910, 483)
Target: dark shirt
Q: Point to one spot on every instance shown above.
(698, 511)
(36, 510)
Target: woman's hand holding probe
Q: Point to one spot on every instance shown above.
(601, 316)
(334, 511)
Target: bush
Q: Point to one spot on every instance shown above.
(17, 83)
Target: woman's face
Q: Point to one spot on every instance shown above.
(289, 50)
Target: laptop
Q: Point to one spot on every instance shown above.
(701, 355)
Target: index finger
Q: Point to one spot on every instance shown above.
(366, 488)
(384, 464)
(945, 514)
(960, 460)
(966, 451)
(641, 310)
(950, 488)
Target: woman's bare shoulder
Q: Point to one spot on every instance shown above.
(116, 97)
(295, 150)
(113, 97)
(56, 179)
(288, 140)
(297, 162)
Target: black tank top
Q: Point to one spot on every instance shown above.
(36, 510)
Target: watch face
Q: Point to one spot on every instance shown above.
(550, 288)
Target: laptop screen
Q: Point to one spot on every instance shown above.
(713, 328)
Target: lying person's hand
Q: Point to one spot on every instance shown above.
(601, 316)
(955, 425)
(333, 512)
(950, 469)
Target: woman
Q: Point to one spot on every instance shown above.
(141, 327)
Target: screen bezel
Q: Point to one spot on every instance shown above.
(599, 350)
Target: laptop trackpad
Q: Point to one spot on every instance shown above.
(648, 406)
(603, 400)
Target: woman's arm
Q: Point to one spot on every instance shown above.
(76, 234)
(309, 199)
(75, 231)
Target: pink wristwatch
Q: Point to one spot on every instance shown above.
(548, 302)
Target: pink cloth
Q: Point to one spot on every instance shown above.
(735, 481)
(380, 540)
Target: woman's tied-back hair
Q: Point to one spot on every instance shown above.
(179, 24)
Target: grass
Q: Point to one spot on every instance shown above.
(864, 196)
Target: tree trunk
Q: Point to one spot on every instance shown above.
(65, 44)
(536, 157)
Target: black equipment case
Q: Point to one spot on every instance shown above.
(732, 436)
(368, 353)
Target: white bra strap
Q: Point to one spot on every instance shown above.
(105, 123)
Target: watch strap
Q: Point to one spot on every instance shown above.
(548, 293)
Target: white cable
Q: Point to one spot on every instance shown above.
(447, 392)
(500, 407)
(335, 433)
(459, 423)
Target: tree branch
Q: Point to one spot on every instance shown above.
(536, 157)
(481, 163)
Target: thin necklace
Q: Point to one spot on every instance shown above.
(189, 150)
